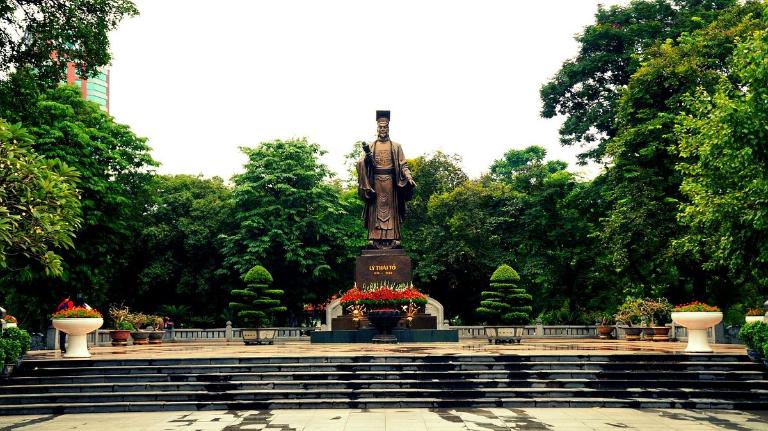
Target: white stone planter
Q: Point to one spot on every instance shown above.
(11, 325)
(77, 328)
(751, 319)
(697, 323)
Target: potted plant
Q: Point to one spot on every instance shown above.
(697, 317)
(138, 321)
(123, 328)
(629, 314)
(10, 350)
(14, 343)
(606, 324)
(77, 323)
(10, 321)
(259, 305)
(754, 335)
(755, 315)
(158, 329)
(656, 312)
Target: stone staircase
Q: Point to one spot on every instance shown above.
(640, 380)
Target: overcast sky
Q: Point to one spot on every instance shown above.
(201, 78)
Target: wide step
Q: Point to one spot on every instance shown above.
(652, 381)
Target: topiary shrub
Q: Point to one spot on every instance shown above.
(503, 302)
(257, 302)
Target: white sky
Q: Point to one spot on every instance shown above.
(201, 78)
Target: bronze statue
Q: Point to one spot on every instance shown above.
(384, 184)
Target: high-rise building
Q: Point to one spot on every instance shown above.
(95, 89)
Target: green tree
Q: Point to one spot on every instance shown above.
(177, 257)
(587, 88)
(642, 187)
(258, 302)
(115, 168)
(74, 31)
(722, 144)
(39, 206)
(503, 302)
(291, 218)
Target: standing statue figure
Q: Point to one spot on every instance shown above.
(385, 184)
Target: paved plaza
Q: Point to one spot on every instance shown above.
(213, 349)
(495, 419)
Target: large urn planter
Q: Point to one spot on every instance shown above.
(77, 328)
(697, 323)
(384, 321)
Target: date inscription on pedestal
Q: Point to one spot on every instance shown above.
(393, 269)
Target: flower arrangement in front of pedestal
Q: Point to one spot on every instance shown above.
(383, 296)
(696, 307)
(77, 312)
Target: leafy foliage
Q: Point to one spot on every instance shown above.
(292, 219)
(114, 167)
(724, 150)
(75, 31)
(39, 206)
(177, 254)
(587, 88)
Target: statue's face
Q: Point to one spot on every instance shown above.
(383, 128)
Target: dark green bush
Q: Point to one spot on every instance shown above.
(754, 335)
(11, 350)
(20, 335)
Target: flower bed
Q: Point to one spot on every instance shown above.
(383, 296)
(77, 312)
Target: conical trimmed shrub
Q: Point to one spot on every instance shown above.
(504, 303)
(257, 302)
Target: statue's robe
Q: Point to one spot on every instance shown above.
(384, 187)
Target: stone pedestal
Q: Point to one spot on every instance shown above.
(379, 266)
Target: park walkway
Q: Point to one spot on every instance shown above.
(213, 349)
(495, 419)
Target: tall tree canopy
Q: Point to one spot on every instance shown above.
(177, 256)
(587, 88)
(290, 218)
(45, 34)
(724, 147)
(114, 167)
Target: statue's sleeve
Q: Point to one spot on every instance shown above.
(364, 189)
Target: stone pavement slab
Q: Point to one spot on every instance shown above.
(491, 419)
(224, 349)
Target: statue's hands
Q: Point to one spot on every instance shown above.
(411, 182)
